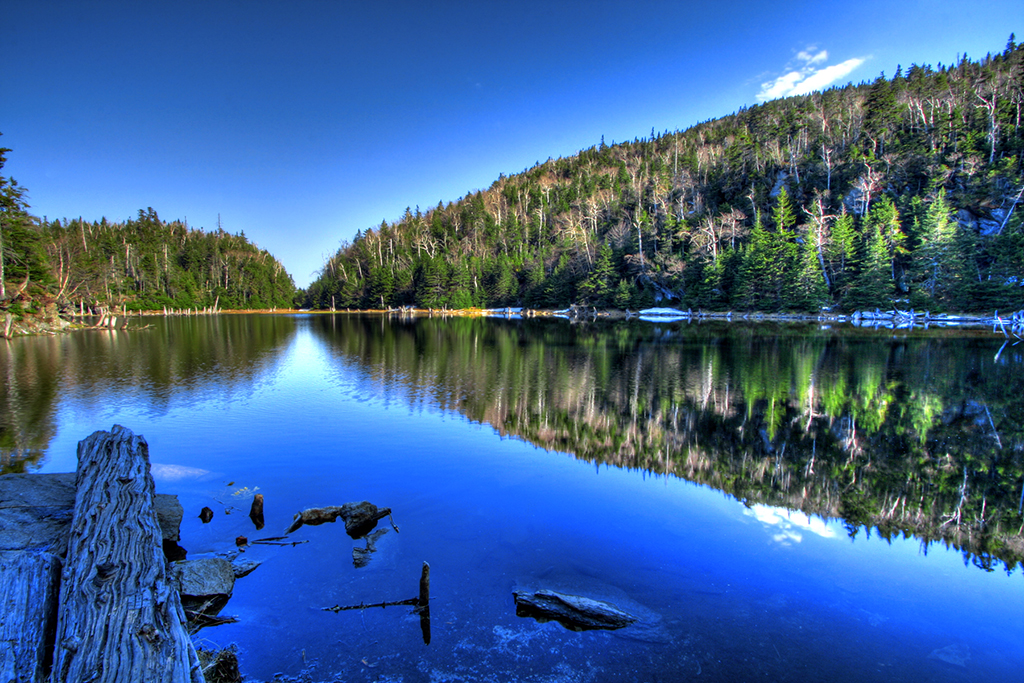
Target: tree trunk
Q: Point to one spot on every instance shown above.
(29, 584)
(119, 618)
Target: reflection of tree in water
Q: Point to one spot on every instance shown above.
(28, 369)
(174, 357)
(920, 435)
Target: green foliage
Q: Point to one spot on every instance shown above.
(141, 264)
(938, 261)
(596, 289)
(874, 285)
(22, 254)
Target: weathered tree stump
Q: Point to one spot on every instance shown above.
(119, 617)
(28, 601)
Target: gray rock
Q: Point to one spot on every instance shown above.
(575, 612)
(244, 567)
(29, 588)
(36, 509)
(966, 219)
(169, 514)
(203, 578)
(988, 226)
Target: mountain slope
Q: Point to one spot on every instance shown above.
(897, 192)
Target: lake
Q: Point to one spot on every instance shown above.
(772, 502)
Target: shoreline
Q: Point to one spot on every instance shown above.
(1010, 324)
(48, 322)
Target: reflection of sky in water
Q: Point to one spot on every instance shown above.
(787, 526)
(739, 593)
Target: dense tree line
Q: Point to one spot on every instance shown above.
(141, 263)
(147, 263)
(902, 191)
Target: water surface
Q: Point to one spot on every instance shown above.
(775, 502)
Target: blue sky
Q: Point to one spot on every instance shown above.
(302, 122)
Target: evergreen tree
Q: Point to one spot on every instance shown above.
(22, 256)
(596, 289)
(937, 259)
(874, 286)
(811, 292)
(841, 253)
(623, 295)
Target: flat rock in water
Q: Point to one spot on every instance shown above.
(575, 612)
(203, 578)
(244, 567)
(957, 655)
(580, 602)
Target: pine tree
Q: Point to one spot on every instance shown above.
(936, 260)
(873, 287)
(841, 253)
(596, 289)
(811, 291)
(22, 257)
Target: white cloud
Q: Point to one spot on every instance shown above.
(812, 57)
(806, 77)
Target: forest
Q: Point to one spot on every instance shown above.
(143, 263)
(900, 192)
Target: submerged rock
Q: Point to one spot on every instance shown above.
(957, 655)
(575, 612)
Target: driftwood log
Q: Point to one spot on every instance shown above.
(421, 603)
(35, 518)
(28, 599)
(119, 618)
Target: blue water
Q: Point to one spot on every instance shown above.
(728, 592)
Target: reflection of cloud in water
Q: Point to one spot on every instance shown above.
(175, 472)
(789, 524)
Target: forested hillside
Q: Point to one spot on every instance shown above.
(141, 263)
(900, 192)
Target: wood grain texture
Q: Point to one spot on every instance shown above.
(119, 617)
(29, 585)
